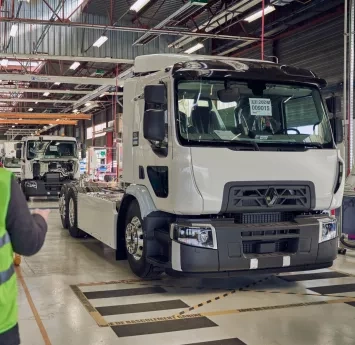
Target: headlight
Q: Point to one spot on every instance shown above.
(327, 229)
(197, 235)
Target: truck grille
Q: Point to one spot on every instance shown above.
(277, 197)
(289, 245)
(262, 218)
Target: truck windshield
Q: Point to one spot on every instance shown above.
(214, 112)
(12, 163)
(51, 149)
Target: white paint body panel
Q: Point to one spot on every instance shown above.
(214, 167)
(98, 218)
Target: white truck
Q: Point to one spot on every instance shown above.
(47, 162)
(228, 167)
(9, 160)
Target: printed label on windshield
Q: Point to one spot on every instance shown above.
(260, 107)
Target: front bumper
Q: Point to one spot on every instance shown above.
(42, 188)
(298, 248)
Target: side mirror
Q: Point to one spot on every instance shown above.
(155, 94)
(19, 146)
(337, 127)
(334, 104)
(18, 154)
(154, 125)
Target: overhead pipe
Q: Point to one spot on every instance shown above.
(27, 21)
(51, 116)
(39, 122)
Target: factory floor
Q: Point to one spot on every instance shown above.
(74, 292)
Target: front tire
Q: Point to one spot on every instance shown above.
(135, 241)
(73, 216)
(63, 207)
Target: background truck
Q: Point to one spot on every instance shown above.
(47, 162)
(8, 158)
(228, 167)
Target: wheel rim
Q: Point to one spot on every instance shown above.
(134, 238)
(62, 206)
(71, 212)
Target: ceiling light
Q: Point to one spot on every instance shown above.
(46, 94)
(57, 83)
(51, 124)
(87, 104)
(74, 66)
(4, 62)
(100, 41)
(36, 102)
(75, 111)
(191, 50)
(102, 95)
(57, 120)
(20, 119)
(30, 109)
(257, 15)
(138, 5)
(13, 30)
(16, 123)
(13, 126)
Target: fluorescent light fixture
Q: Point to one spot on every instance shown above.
(191, 50)
(57, 83)
(4, 62)
(57, 120)
(51, 124)
(138, 5)
(102, 95)
(74, 66)
(87, 104)
(13, 30)
(13, 126)
(257, 15)
(100, 41)
(75, 111)
(46, 94)
(30, 109)
(36, 102)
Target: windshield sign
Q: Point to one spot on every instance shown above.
(51, 149)
(212, 112)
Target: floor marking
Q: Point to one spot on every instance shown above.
(312, 276)
(293, 293)
(88, 306)
(333, 289)
(232, 311)
(124, 292)
(232, 341)
(228, 293)
(124, 281)
(33, 307)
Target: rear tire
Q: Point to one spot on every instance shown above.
(73, 216)
(63, 207)
(135, 241)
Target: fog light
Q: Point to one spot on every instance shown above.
(327, 229)
(197, 235)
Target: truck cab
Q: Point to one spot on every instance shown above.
(228, 167)
(9, 160)
(47, 162)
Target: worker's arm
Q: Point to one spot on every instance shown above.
(27, 231)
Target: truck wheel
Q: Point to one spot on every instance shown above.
(63, 207)
(136, 244)
(73, 216)
(23, 191)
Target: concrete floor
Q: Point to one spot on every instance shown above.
(275, 310)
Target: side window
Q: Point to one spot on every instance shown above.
(301, 114)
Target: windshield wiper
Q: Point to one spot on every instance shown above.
(246, 142)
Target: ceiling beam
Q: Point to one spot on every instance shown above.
(65, 58)
(60, 79)
(50, 116)
(39, 122)
(28, 90)
(183, 33)
(33, 100)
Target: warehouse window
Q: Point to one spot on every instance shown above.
(99, 131)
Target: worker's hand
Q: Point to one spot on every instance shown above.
(43, 213)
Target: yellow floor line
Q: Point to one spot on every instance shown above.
(33, 307)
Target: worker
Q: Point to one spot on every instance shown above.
(22, 232)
